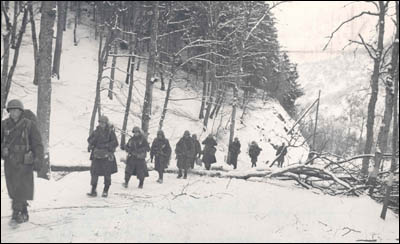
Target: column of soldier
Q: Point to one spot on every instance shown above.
(23, 153)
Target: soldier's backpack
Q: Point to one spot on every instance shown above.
(44, 171)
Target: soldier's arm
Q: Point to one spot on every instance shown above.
(36, 143)
(168, 149)
(113, 144)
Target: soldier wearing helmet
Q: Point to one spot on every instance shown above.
(102, 144)
(22, 151)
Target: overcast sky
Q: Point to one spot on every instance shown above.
(304, 26)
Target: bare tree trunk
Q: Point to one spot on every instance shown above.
(210, 99)
(395, 138)
(44, 78)
(146, 116)
(129, 76)
(167, 95)
(76, 24)
(102, 54)
(112, 75)
(78, 10)
(15, 24)
(374, 90)
(65, 16)
(34, 42)
(9, 74)
(203, 99)
(217, 102)
(60, 27)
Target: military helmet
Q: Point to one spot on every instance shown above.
(104, 119)
(15, 104)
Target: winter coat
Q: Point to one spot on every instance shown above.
(209, 151)
(15, 139)
(282, 149)
(254, 151)
(161, 151)
(103, 141)
(234, 150)
(184, 151)
(197, 148)
(137, 148)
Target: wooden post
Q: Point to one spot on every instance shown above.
(316, 121)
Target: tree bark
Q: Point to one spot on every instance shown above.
(14, 26)
(374, 89)
(203, 99)
(44, 67)
(34, 42)
(146, 115)
(130, 74)
(60, 28)
(112, 75)
(76, 24)
(395, 146)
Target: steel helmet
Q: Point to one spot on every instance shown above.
(15, 104)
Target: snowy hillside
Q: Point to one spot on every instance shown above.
(73, 98)
(338, 76)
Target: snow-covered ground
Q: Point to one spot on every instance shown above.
(199, 209)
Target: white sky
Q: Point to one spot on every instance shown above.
(305, 26)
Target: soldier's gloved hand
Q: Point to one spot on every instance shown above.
(37, 165)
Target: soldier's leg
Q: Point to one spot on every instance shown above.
(25, 214)
(127, 178)
(93, 182)
(141, 182)
(180, 173)
(185, 174)
(107, 183)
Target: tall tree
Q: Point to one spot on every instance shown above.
(60, 30)
(376, 55)
(146, 115)
(34, 42)
(44, 72)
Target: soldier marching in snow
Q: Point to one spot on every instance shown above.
(209, 151)
(197, 150)
(184, 151)
(102, 144)
(282, 150)
(137, 148)
(254, 151)
(161, 151)
(22, 151)
(234, 151)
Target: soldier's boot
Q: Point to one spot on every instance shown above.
(14, 214)
(25, 214)
(19, 218)
(185, 174)
(141, 182)
(93, 192)
(105, 191)
(179, 174)
(127, 178)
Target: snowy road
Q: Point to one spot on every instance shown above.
(200, 209)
